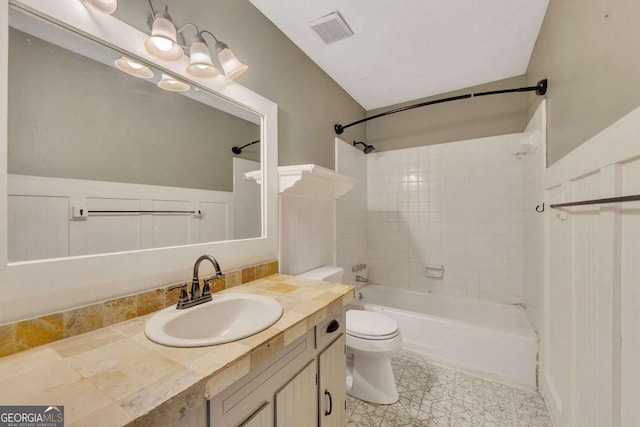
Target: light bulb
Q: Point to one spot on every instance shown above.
(134, 65)
(162, 43)
(172, 84)
(133, 68)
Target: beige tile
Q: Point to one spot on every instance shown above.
(219, 357)
(149, 302)
(20, 363)
(42, 330)
(224, 379)
(233, 278)
(119, 310)
(83, 319)
(83, 343)
(122, 367)
(25, 387)
(107, 416)
(282, 288)
(264, 352)
(262, 271)
(260, 337)
(79, 399)
(171, 411)
(7, 339)
(181, 355)
(295, 331)
(248, 274)
(218, 284)
(131, 327)
(273, 268)
(155, 394)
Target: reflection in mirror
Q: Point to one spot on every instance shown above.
(102, 159)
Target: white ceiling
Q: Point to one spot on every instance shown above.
(408, 49)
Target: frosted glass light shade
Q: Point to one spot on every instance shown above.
(134, 68)
(172, 84)
(105, 6)
(201, 64)
(163, 42)
(230, 64)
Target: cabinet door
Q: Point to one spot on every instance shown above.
(297, 402)
(261, 418)
(333, 392)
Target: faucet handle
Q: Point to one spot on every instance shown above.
(184, 296)
(206, 288)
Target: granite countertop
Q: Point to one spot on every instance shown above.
(116, 376)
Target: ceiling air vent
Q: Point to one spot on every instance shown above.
(331, 28)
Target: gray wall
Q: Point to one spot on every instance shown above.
(309, 101)
(453, 121)
(589, 52)
(72, 117)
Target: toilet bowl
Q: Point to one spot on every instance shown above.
(372, 339)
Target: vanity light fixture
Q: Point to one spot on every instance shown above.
(202, 60)
(230, 64)
(133, 68)
(201, 64)
(172, 84)
(105, 6)
(163, 42)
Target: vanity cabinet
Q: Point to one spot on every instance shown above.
(331, 374)
(297, 402)
(302, 385)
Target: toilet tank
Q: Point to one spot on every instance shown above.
(328, 273)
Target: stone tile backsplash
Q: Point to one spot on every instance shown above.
(29, 333)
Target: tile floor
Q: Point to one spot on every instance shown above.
(435, 396)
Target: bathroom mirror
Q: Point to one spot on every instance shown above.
(107, 153)
(30, 288)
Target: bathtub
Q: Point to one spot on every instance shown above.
(495, 340)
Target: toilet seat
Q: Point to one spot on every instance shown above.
(371, 326)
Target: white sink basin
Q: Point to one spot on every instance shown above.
(229, 317)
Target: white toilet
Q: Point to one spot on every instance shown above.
(372, 339)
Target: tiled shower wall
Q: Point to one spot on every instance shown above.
(351, 212)
(458, 205)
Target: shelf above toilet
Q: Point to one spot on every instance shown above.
(314, 180)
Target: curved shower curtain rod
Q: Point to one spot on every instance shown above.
(540, 89)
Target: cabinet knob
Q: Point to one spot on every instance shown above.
(334, 325)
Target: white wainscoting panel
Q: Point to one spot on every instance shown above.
(307, 233)
(38, 227)
(630, 299)
(108, 233)
(246, 199)
(591, 339)
(41, 225)
(533, 164)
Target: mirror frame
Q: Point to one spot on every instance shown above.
(33, 288)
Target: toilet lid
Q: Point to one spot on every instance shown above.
(367, 324)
